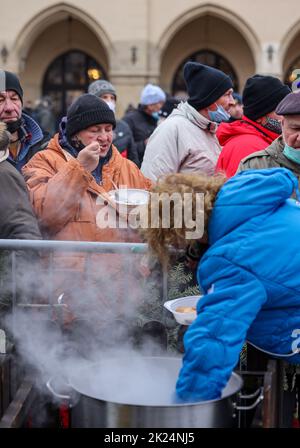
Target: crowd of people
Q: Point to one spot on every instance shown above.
(207, 143)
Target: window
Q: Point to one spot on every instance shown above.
(206, 57)
(69, 76)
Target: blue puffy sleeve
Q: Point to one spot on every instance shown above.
(214, 340)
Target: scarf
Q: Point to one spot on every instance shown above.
(73, 148)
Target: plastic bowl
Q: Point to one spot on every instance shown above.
(180, 317)
(130, 196)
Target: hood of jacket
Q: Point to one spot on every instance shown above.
(247, 195)
(185, 110)
(67, 145)
(228, 131)
(30, 134)
(55, 145)
(33, 129)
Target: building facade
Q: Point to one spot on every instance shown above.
(58, 48)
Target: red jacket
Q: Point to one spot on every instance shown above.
(239, 139)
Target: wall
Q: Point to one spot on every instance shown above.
(163, 32)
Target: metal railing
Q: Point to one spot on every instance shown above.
(14, 251)
(49, 248)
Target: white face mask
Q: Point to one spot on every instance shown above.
(111, 105)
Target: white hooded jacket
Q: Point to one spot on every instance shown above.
(184, 142)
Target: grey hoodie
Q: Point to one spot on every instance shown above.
(184, 142)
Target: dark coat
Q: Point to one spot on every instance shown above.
(17, 220)
(142, 125)
(124, 142)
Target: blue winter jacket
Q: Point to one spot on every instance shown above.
(251, 279)
(33, 140)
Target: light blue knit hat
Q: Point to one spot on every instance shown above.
(152, 94)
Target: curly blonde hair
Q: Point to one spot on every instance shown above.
(160, 239)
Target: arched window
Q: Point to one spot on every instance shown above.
(206, 57)
(69, 76)
(293, 72)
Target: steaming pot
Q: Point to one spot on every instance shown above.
(138, 393)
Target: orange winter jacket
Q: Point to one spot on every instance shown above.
(64, 194)
(64, 197)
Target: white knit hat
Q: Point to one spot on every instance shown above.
(152, 94)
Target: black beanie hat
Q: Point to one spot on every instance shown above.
(262, 94)
(205, 85)
(10, 81)
(86, 111)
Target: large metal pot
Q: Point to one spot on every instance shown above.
(138, 393)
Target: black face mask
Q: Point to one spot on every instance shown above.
(273, 125)
(77, 144)
(14, 126)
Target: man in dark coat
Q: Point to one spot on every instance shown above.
(27, 136)
(144, 119)
(122, 136)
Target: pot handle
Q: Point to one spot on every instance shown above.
(55, 394)
(259, 392)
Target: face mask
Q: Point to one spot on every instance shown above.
(292, 154)
(273, 125)
(111, 105)
(14, 126)
(218, 115)
(77, 144)
(155, 115)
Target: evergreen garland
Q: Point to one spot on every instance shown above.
(181, 283)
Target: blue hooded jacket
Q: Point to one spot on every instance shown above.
(251, 279)
(33, 140)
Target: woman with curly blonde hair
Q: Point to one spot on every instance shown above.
(188, 186)
(249, 274)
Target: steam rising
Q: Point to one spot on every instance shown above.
(97, 324)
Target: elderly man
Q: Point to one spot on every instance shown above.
(27, 136)
(144, 119)
(285, 151)
(123, 138)
(259, 126)
(186, 141)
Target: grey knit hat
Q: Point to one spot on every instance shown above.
(101, 87)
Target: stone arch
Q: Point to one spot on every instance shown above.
(47, 36)
(289, 48)
(179, 35)
(49, 16)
